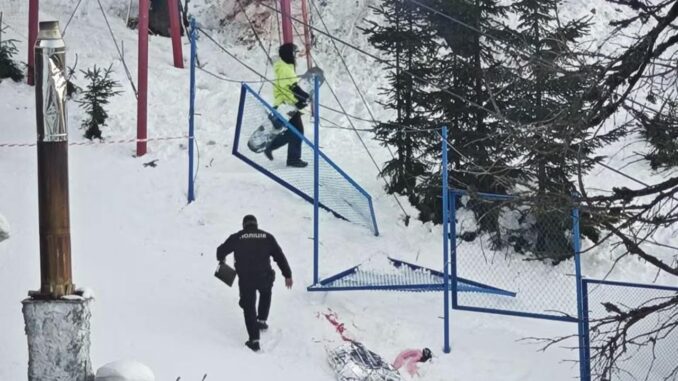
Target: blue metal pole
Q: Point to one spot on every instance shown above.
(316, 177)
(586, 375)
(446, 248)
(191, 114)
(453, 247)
(576, 246)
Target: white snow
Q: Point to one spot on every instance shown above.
(150, 257)
(4, 228)
(86, 293)
(125, 370)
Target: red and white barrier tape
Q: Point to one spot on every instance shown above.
(95, 142)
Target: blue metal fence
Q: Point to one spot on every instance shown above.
(408, 277)
(337, 191)
(630, 331)
(403, 277)
(491, 258)
(446, 243)
(191, 112)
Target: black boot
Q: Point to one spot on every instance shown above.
(261, 324)
(253, 345)
(298, 163)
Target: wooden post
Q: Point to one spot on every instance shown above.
(33, 10)
(307, 34)
(286, 20)
(142, 100)
(175, 32)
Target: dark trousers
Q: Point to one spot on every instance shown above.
(248, 302)
(290, 138)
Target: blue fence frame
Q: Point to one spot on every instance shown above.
(316, 181)
(453, 193)
(584, 338)
(448, 284)
(325, 285)
(246, 90)
(446, 243)
(317, 154)
(191, 112)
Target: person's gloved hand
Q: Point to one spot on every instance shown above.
(289, 282)
(301, 104)
(277, 123)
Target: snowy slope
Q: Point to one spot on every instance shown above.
(4, 228)
(149, 257)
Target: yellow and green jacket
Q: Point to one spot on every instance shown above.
(285, 78)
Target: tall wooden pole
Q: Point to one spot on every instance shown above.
(142, 100)
(286, 20)
(33, 16)
(307, 34)
(175, 32)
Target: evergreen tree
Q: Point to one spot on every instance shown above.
(8, 67)
(407, 38)
(71, 88)
(549, 92)
(99, 89)
(549, 95)
(469, 102)
(660, 130)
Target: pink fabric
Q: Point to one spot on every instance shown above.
(409, 358)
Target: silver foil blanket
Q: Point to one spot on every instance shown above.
(353, 362)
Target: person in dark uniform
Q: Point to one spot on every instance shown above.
(253, 249)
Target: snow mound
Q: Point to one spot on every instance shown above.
(4, 228)
(126, 370)
(86, 292)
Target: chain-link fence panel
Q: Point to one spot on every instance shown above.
(259, 123)
(515, 245)
(632, 331)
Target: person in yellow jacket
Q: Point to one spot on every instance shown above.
(286, 91)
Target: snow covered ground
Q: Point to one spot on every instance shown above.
(4, 228)
(149, 257)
